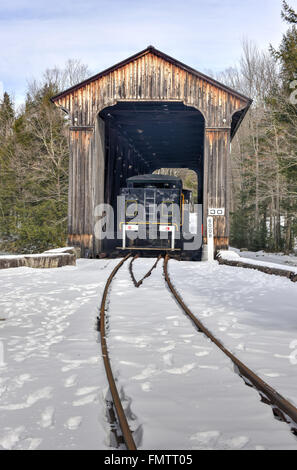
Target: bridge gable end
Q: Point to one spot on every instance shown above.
(152, 76)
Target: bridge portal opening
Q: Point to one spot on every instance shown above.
(143, 136)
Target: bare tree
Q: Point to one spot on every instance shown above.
(73, 72)
(257, 179)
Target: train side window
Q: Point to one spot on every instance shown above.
(131, 208)
(169, 208)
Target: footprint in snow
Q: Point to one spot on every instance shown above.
(73, 423)
(164, 333)
(207, 314)
(70, 381)
(237, 442)
(206, 437)
(11, 437)
(132, 364)
(86, 400)
(69, 367)
(202, 353)
(146, 386)
(146, 373)
(75, 364)
(209, 367)
(85, 391)
(235, 335)
(181, 370)
(34, 397)
(170, 346)
(271, 374)
(31, 443)
(47, 417)
(167, 358)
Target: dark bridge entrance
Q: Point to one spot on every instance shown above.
(141, 137)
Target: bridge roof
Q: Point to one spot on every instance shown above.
(153, 178)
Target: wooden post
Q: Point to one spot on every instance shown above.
(79, 208)
(210, 239)
(98, 176)
(216, 183)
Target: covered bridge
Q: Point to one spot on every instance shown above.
(150, 111)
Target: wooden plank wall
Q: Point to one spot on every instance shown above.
(150, 78)
(217, 183)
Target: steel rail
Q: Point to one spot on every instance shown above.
(127, 434)
(277, 401)
(138, 283)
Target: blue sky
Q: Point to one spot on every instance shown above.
(205, 34)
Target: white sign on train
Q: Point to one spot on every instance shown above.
(166, 228)
(219, 211)
(132, 228)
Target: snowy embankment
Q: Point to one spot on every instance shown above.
(180, 391)
(260, 258)
(232, 258)
(274, 258)
(49, 259)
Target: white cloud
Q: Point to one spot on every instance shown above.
(205, 34)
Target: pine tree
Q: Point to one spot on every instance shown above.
(8, 179)
(34, 158)
(285, 116)
(43, 211)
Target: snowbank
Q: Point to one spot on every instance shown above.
(65, 249)
(49, 259)
(275, 258)
(232, 258)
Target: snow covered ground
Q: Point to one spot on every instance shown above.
(53, 385)
(180, 391)
(183, 390)
(253, 313)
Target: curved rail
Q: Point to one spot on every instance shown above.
(281, 406)
(138, 283)
(127, 434)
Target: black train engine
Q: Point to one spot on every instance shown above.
(154, 212)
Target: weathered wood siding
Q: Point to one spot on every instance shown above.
(217, 182)
(150, 77)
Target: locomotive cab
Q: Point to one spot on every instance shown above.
(153, 212)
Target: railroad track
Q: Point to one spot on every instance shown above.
(139, 283)
(281, 407)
